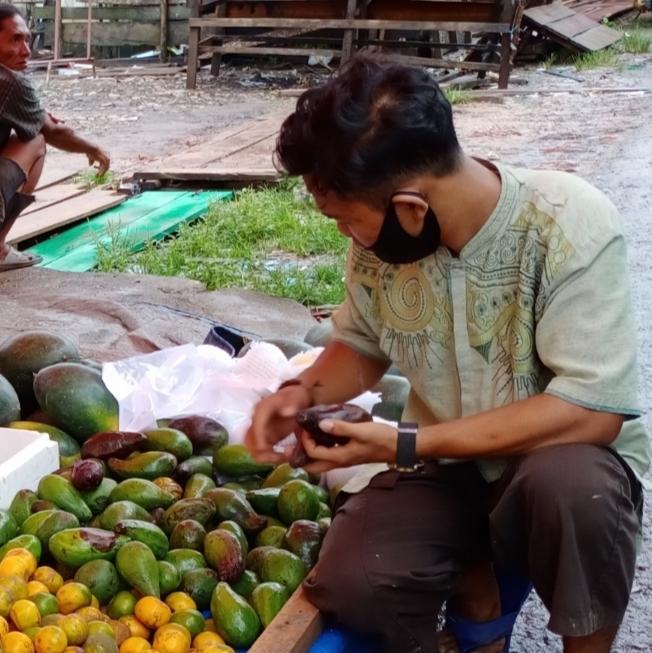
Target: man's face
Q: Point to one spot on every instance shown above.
(14, 43)
(355, 219)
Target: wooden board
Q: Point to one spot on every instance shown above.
(242, 153)
(53, 194)
(293, 630)
(59, 215)
(570, 28)
(599, 9)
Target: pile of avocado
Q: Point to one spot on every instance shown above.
(174, 508)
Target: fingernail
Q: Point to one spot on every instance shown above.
(326, 425)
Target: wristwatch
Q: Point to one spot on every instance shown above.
(406, 448)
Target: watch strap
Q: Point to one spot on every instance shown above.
(406, 448)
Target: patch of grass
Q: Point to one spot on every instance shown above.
(458, 96)
(599, 59)
(113, 253)
(550, 61)
(89, 179)
(635, 42)
(270, 240)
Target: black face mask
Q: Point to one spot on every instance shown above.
(395, 245)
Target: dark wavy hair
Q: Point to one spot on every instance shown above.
(8, 11)
(366, 129)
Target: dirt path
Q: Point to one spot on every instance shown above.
(605, 138)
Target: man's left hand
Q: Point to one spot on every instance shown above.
(369, 442)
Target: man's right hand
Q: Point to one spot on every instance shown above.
(273, 420)
(99, 156)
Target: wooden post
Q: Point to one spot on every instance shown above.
(89, 32)
(347, 41)
(216, 60)
(58, 32)
(193, 57)
(164, 31)
(505, 60)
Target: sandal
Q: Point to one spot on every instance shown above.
(471, 635)
(15, 259)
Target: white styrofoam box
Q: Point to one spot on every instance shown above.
(25, 457)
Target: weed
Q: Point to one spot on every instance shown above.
(608, 57)
(635, 42)
(458, 96)
(89, 179)
(113, 250)
(270, 240)
(550, 61)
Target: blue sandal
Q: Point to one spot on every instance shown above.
(471, 635)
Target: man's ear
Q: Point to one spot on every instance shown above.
(411, 211)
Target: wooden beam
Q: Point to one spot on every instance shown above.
(215, 174)
(294, 629)
(296, 23)
(164, 32)
(136, 14)
(58, 35)
(193, 57)
(278, 52)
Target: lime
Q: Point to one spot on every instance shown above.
(190, 619)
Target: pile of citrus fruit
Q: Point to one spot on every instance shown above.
(42, 613)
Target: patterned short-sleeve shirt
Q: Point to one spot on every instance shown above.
(20, 109)
(538, 301)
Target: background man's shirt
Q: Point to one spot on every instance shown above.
(538, 301)
(20, 109)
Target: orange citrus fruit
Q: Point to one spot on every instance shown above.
(16, 642)
(152, 612)
(135, 645)
(50, 639)
(51, 578)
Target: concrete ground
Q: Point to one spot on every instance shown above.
(603, 136)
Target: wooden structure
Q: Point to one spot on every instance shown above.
(265, 27)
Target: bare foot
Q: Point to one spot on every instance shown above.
(447, 644)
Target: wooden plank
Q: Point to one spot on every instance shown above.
(216, 174)
(127, 33)
(53, 195)
(571, 26)
(548, 13)
(598, 37)
(279, 52)
(293, 630)
(59, 215)
(144, 14)
(306, 23)
(441, 63)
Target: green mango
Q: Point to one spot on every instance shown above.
(283, 567)
(230, 504)
(246, 584)
(223, 553)
(236, 529)
(76, 546)
(188, 534)
(20, 507)
(197, 485)
(190, 466)
(205, 433)
(324, 511)
(201, 510)
(235, 460)
(46, 523)
(169, 577)
(29, 542)
(143, 492)
(64, 495)
(264, 500)
(144, 532)
(297, 500)
(303, 538)
(268, 598)
(8, 527)
(97, 499)
(170, 440)
(121, 510)
(324, 525)
(235, 620)
(255, 558)
(138, 566)
(100, 643)
(284, 473)
(185, 559)
(271, 536)
(148, 465)
(101, 578)
(199, 585)
(68, 446)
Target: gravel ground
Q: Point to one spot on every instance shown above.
(604, 137)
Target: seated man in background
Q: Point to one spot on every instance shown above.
(25, 129)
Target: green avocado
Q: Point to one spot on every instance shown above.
(235, 620)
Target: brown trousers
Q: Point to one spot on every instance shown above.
(566, 516)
